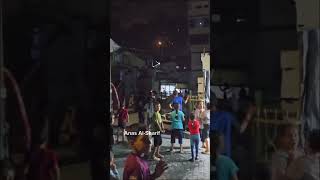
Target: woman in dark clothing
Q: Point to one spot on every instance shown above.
(245, 144)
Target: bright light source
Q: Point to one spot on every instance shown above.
(159, 43)
(177, 67)
(184, 67)
(200, 23)
(240, 20)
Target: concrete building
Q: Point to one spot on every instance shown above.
(130, 71)
(199, 35)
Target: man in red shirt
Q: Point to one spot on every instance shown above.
(194, 127)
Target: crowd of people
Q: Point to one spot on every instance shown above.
(196, 121)
(233, 146)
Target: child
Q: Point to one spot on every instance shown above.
(194, 126)
(286, 143)
(177, 118)
(114, 174)
(157, 126)
(123, 119)
(307, 167)
(136, 166)
(223, 122)
(42, 163)
(111, 132)
(223, 167)
(199, 115)
(205, 131)
(150, 110)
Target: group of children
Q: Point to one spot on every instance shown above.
(136, 166)
(289, 162)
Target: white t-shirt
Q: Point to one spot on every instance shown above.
(305, 168)
(198, 114)
(206, 117)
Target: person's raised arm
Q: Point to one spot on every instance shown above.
(249, 116)
(160, 168)
(186, 100)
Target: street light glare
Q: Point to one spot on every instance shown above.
(159, 43)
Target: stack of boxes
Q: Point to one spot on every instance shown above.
(201, 87)
(291, 68)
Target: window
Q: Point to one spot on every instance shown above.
(199, 39)
(216, 18)
(167, 89)
(199, 22)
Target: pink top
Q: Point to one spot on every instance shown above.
(136, 168)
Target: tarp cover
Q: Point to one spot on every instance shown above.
(311, 95)
(113, 46)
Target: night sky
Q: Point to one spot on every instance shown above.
(141, 23)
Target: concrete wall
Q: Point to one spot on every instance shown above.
(308, 13)
(274, 36)
(197, 9)
(231, 77)
(277, 12)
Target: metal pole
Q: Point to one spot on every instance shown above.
(3, 150)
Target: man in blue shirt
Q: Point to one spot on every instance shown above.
(177, 119)
(222, 122)
(177, 99)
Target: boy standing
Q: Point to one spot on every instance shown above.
(136, 166)
(150, 110)
(205, 131)
(123, 119)
(177, 118)
(157, 126)
(223, 167)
